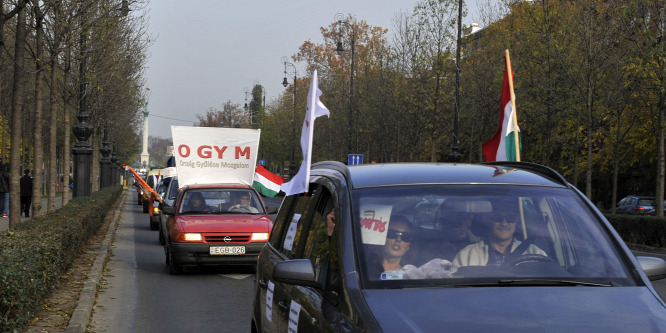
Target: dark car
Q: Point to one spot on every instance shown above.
(637, 204)
(406, 248)
(168, 200)
(215, 224)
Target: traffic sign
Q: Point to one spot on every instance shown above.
(355, 159)
(262, 162)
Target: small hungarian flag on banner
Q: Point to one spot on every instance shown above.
(266, 183)
(505, 144)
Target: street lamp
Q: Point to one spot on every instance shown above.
(339, 49)
(285, 83)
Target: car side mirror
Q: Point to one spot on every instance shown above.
(296, 271)
(654, 268)
(271, 209)
(169, 210)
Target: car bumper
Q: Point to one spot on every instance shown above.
(198, 254)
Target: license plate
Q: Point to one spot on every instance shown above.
(227, 250)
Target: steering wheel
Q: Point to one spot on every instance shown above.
(241, 209)
(532, 264)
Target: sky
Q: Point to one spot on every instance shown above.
(208, 52)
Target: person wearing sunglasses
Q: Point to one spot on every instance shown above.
(386, 265)
(499, 242)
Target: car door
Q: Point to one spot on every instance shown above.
(272, 303)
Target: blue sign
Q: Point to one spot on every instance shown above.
(262, 162)
(355, 159)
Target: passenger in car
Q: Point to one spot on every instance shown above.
(196, 203)
(453, 232)
(499, 242)
(243, 204)
(386, 265)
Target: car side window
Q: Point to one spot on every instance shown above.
(297, 223)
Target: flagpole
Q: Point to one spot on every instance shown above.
(513, 105)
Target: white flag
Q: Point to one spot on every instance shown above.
(314, 109)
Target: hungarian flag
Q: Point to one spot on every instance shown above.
(504, 145)
(266, 183)
(314, 108)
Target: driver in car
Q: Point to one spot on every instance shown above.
(243, 204)
(499, 243)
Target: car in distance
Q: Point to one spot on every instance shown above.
(637, 204)
(215, 224)
(168, 199)
(379, 248)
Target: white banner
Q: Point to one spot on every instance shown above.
(207, 155)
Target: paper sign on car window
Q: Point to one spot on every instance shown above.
(291, 232)
(374, 223)
(294, 312)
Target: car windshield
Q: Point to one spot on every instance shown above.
(464, 235)
(220, 201)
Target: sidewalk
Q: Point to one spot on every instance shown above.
(4, 222)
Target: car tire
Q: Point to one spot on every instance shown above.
(153, 225)
(174, 269)
(161, 235)
(145, 206)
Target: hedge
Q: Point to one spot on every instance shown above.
(35, 253)
(640, 229)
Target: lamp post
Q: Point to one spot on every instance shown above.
(339, 49)
(454, 155)
(285, 83)
(105, 162)
(82, 151)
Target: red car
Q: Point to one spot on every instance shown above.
(216, 224)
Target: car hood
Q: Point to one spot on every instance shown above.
(225, 223)
(517, 309)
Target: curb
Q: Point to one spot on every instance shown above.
(78, 323)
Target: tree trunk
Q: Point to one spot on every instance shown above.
(66, 149)
(53, 165)
(17, 108)
(38, 118)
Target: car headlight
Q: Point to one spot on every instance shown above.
(156, 209)
(191, 237)
(259, 236)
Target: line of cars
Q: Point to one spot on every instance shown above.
(322, 263)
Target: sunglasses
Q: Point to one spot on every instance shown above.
(406, 237)
(498, 218)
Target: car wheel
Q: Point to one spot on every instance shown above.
(161, 236)
(153, 225)
(145, 206)
(174, 268)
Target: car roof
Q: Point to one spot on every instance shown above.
(216, 185)
(391, 174)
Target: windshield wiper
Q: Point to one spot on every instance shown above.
(504, 283)
(547, 282)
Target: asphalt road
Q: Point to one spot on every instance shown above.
(139, 295)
